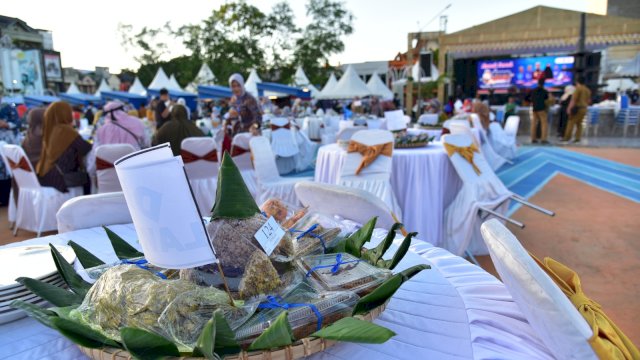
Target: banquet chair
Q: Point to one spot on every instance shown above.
(376, 177)
(428, 119)
(511, 126)
(88, 211)
(331, 128)
(284, 144)
(106, 175)
(503, 144)
(200, 158)
(353, 204)
(549, 311)
(306, 156)
(270, 183)
(313, 127)
(592, 121)
(494, 158)
(482, 195)
(11, 211)
(373, 124)
(626, 118)
(241, 154)
(346, 134)
(37, 205)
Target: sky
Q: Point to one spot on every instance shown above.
(87, 36)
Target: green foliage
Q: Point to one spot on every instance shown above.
(87, 259)
(145, 345)
(75, 282)
(53, 294)
(216, 339)
(276, 335)
(184, 68)
(355, 330)
(356, 240)
(43, 316)
(81, 334)
(122, 248)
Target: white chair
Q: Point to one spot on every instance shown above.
(502, 143)
(106, 175)
(373, 124)
(331, 199)
(201, 162)
(428, 119)
(241, 154)
(331, 128)
(482, 195)
(88, 211)
(344, 124)
(346, 134)
(493, 158)
(11, 211)
(551, 314)
(313, 127)
(37, 205)
(396, 120)
(270, 183)
(374, 178)
(511, 126)
(307, 154)
(284, 145)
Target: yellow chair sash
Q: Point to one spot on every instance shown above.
(369, 153)
(465, 151)
(608, 341)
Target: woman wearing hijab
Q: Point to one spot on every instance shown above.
(482, 110)
(120, 127)
(32, 143)
(62, 148)
(176, 129)
(563, 118)
(250, 114)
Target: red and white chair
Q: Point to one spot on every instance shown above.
(241, 154)
(88, 211)
(201, 162)
(270, 183)
(37, 205)
(375, 178)
(106, 155)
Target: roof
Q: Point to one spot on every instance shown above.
(540, 29)
(349, 86)
(6, 21)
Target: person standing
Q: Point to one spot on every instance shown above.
(539, 98)
(247, 107)
(577, 110)
(163, 110)
(563, 117)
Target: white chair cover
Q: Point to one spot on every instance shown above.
(461, 219)
(503, 144)
(511, 126)
(306, 157)
(374, 178)
(107, 178)
(283, 143)
(270, 183)
(244, 162)
(11, 211)
(313, 127)
(331, 199)
(489, 153)
(37, 205)
(344, 124)
(557, 322)
(346, 133)
(373, 124)
(428, 119)
(331, 128)
(396, 120)
(202, 174)
(83, 212)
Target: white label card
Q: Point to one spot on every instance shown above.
(269, 235)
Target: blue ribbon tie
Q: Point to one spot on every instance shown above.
(142, 264)
(335, 267)
(310, 232)
(276, 302)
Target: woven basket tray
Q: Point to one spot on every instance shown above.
(298, 350)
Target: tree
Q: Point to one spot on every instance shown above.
(147, 41)
(184, 68)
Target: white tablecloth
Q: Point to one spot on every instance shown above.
(423, 180)
(455, 310)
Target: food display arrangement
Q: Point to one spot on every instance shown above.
(404, 139)
(314, 286)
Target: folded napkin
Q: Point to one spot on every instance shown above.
(369, 153)
(466, 152)
(276, 127)
(189, 157)
(22, 164)
(608, 341)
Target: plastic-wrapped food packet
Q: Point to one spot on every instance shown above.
(308, 310)
(343, 271)
(96, 271)
(284, 213)
(315, 233)
(126, 295)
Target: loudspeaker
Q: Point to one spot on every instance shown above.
(425, 63)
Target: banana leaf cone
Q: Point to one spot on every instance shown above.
(233, 199)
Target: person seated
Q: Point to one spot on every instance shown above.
(32, 143)
(62, 149)
(120, 127)
(175, 129)
(482, 110)
(510, 107)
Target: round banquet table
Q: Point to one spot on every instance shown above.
(423, 181)
(455, 310)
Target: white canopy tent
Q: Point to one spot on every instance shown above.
(173, 84)
(328, 87)
(349, 86)
(251, 84)
(192, 87)
(160, 80)
(103, 87)
(137, 88)
(621, 84)
(378, 88)
(205, 76)
(73, 89)
(301, 80)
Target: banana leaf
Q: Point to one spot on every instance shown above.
(122, 248)
(355, 330)
(64, 312)
(75, 282)
(402, 250)
(233, 199)
(87, 259)
(383, 292)
(217, 339)
(277, 335)
(53, 294)
(356, 240)
(144, 345)
(374, 255)
(81, 334)
(43, 316)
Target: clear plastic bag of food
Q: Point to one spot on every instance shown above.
(126, 295)
(315, 233)
(95, 272)
(343, 271)
(309, 310)
(283, 212)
